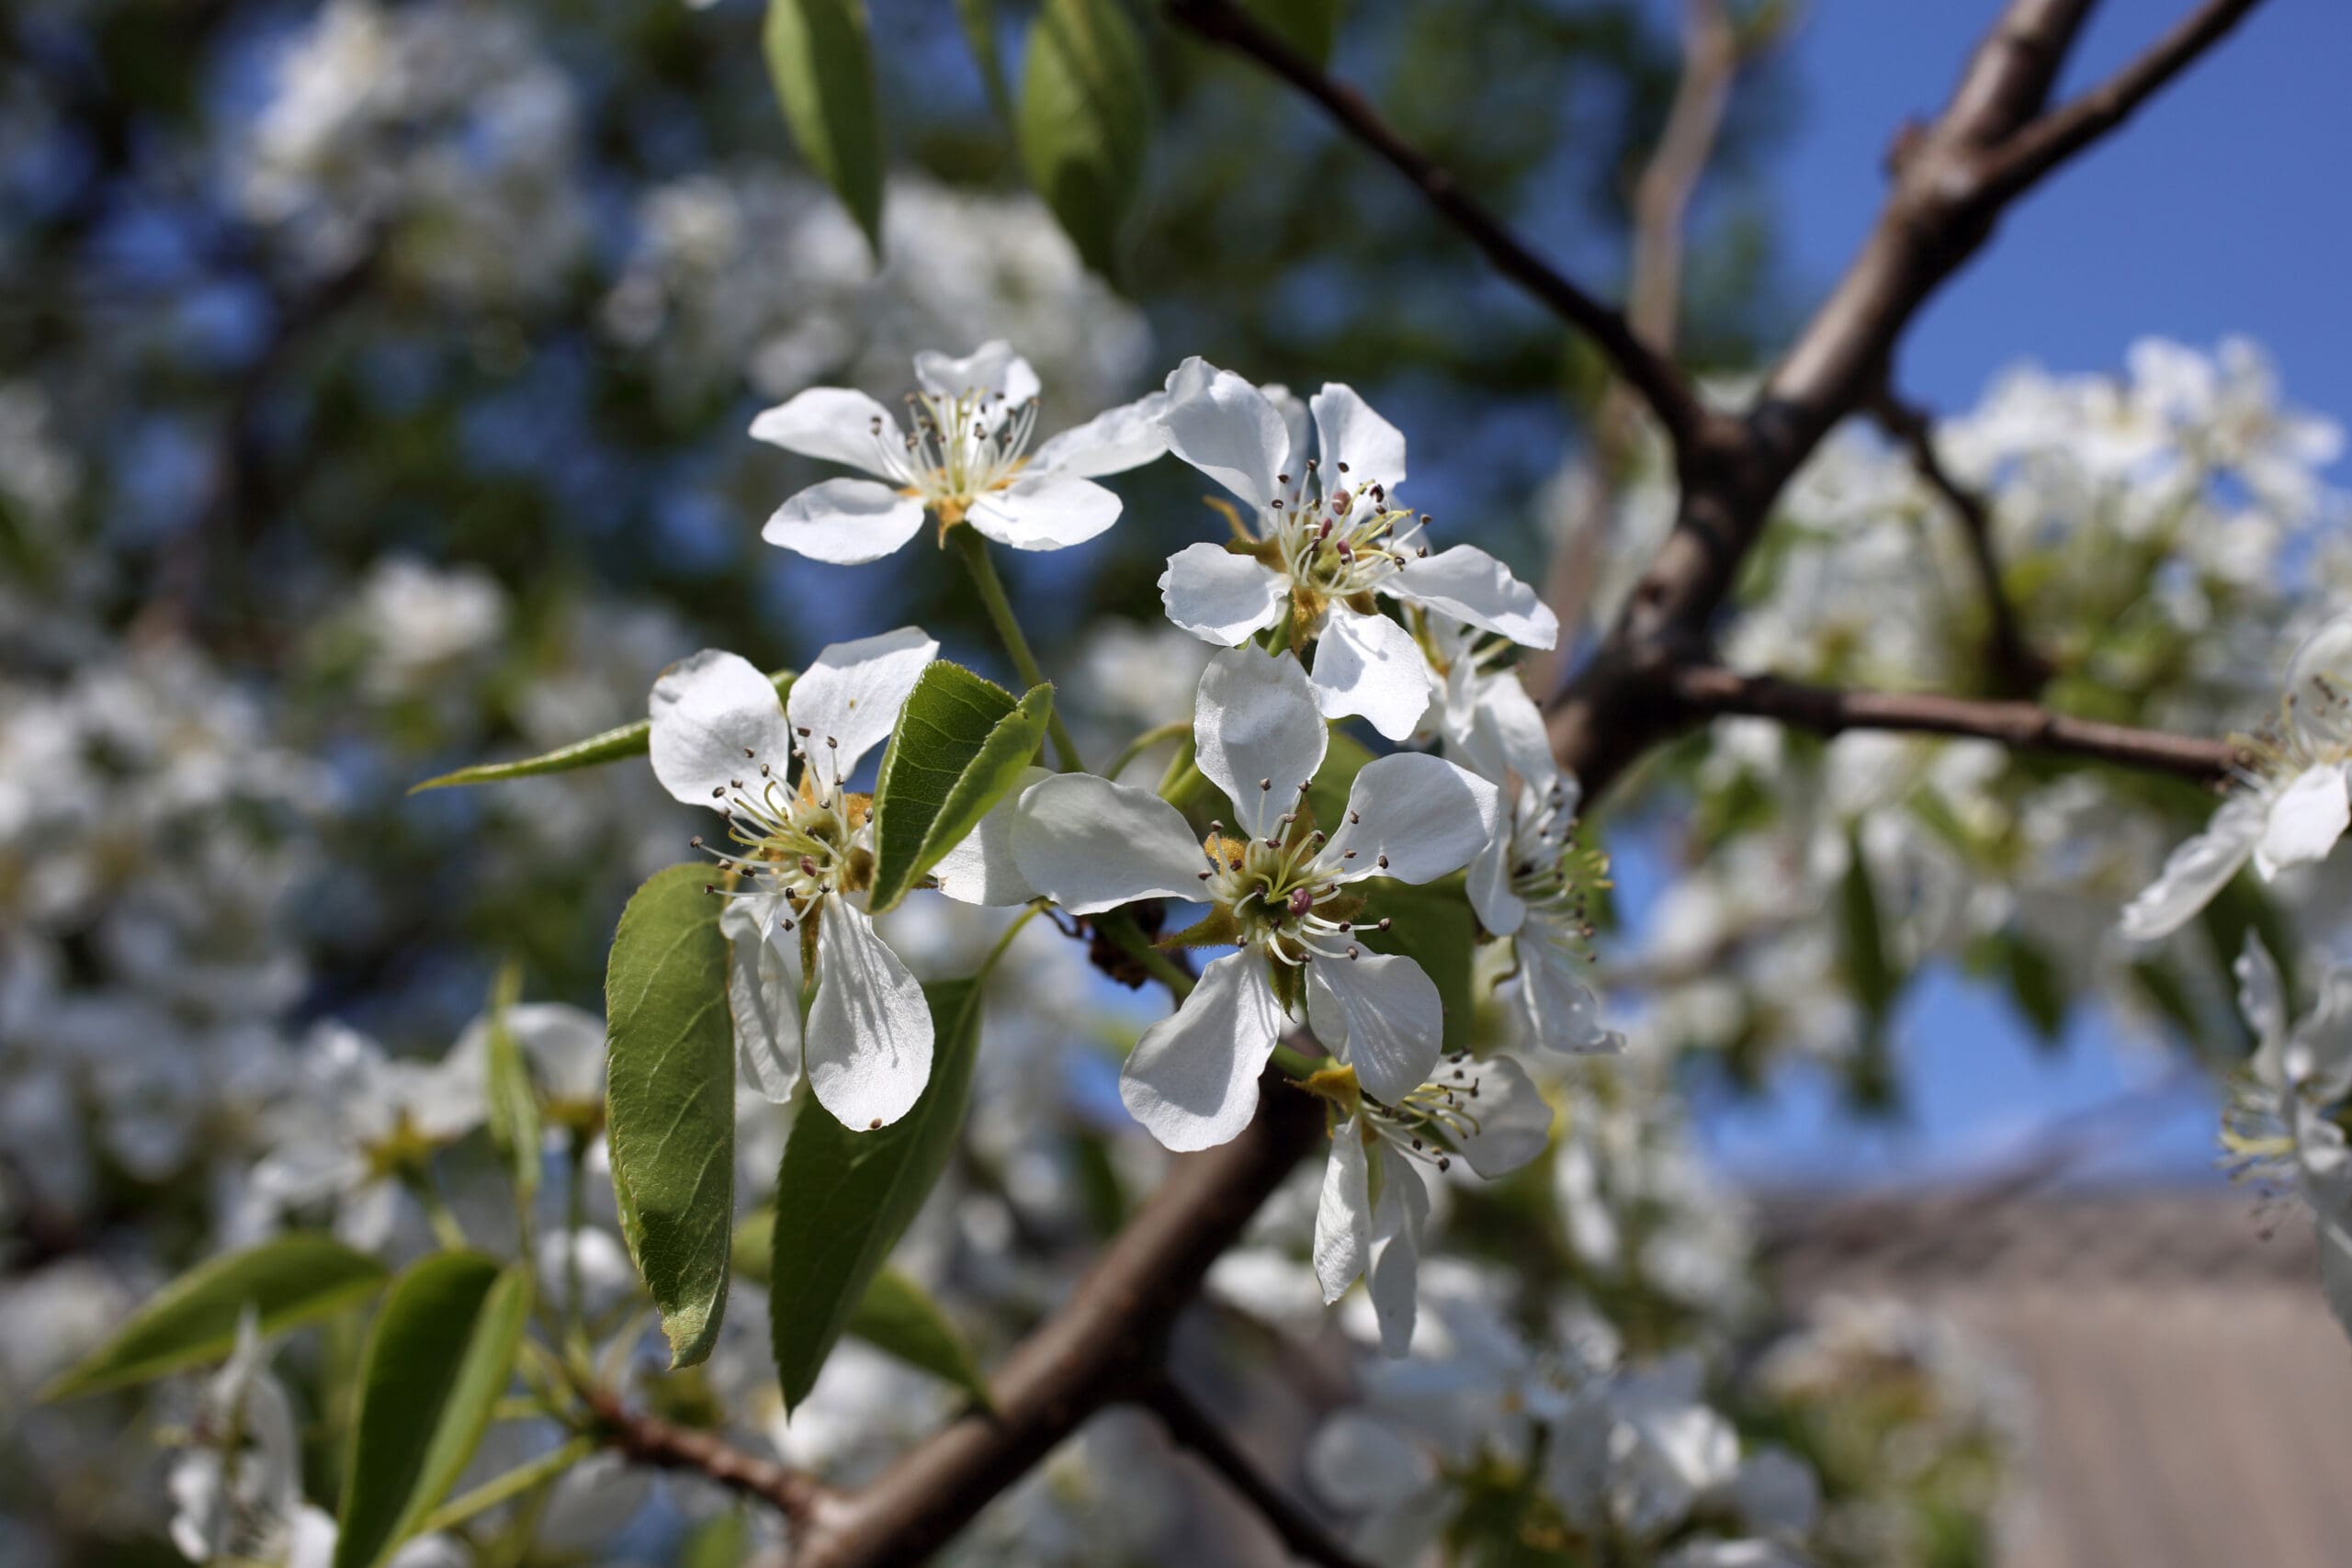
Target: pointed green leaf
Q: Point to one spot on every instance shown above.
(844, 1198)
(961, 742)
(1310, 27)
(823, 64)
(670, 1100)
(513, 1101)
(899, 1316)
(1869, 968)
(1085, 119)
(625, 741)
(978, 20)
(440, 1358)
(293, 1280)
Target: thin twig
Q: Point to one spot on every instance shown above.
(1706, 690)
(649, 1439)
(1661, 384)
(2057, 136)
(1196, 1431)
(2020, 671)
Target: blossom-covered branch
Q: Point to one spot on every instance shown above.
(1709, 691)
(1661, 384)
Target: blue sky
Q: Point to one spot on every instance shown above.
(2221, 209)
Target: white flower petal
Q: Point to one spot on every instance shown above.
(1043, 510)
(849, 697)
(2193, 872)
(708, 710)
(1111, 442)
(764, 998)
(1343, 1213)
(991, 368)
(846, 522)
(1192, 1080)
(868, 1047)
(1370, 665)
(1494, 727)
(2262, 996)
(836, 424)
(565, 1046)
(1296, 426)
(1510, 1122)
(1228, 429)
(1382, 1015)
(2305, 820)
(983, 868)
(1499, 908)
(1092, 845)
(1561, 1011)
(2319, 685)
(1256, 734)
(1421, 815)
(1220, 596)
(1472, 586)
(1397, 1256)
(1358, 447)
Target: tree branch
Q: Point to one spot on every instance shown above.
(2020, 671)
(1103, 1346)
(1655, 377)
(1942, 210)
(1193, 1430)
(1709, 691)
(2060, 135)
(1711, 59)
(649, 1439)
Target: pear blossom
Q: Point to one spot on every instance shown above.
(2280, 1124)
(2292, 803)
(236, 1489)
(356, 1122)
(963, 456)
(1528, 883)
(1640, 1449)
(1482, 714)
(1275, 884)
(1324, 540)
(1368, 1223)
(802, 856)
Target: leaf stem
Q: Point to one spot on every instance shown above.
(1129, 939)
(437, 1212)
(973, 547)
(521, 1478)
(1174, 729)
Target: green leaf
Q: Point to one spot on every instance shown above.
(513, 1100)
(844, 1198)
(1085, 120)
(961, 742)
(2035, 985)
(1867, 967)
(440, 1356)
(754, 1244)
(295, 1278)
(670, 1100)
(898, 1315)
(822, 65)
(1310, 27)
(1432, 925)
(626, 740)
(978, 20)
(722, 1540)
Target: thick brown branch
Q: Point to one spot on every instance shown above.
(2060, 135)
(1193, 1429)
(1660, 384)
(1103, 1346)
(1707, 691)
(649, 1439)
(1940, 212)
(2019, 669)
